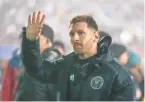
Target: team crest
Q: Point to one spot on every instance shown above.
(97, 82)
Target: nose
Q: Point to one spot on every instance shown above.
(75, 37)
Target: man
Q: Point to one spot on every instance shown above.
(26, 90)
(84, 75)
(26, 84)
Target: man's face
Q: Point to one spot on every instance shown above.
(123, 59)
(82, 37)
(44, 42)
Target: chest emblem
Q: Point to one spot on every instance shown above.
(97, 82)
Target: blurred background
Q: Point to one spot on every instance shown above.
(122, 19)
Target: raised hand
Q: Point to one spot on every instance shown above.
(35, 24)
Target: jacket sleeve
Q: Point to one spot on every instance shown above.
(35, 66)
(123, 89)
(29, 89)
(124, 94)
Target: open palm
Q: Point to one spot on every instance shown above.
(35, 24)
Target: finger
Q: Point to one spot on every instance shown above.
(42, 20)
(29, 20)
(38, 17)
(34, 17)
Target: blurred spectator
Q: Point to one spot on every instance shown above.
(9, 79)
(56, 51)
(12, 70)
(128, 59)
(28, 86)
(60, 47)
(131, 62)
(6, 52)
(15, 69)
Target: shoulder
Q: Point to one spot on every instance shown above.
(59, 61)
(66, 58)
(121, 75)
(70, 56)
(122, 78)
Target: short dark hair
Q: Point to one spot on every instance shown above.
(85, 18)
(48, 32)
(117, 49)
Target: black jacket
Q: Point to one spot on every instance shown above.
(31, 89)
(102, 79)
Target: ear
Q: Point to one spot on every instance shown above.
(96, 35)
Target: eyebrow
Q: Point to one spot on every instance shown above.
(77, 31)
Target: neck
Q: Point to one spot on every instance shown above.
(91, 53)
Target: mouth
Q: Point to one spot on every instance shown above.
(77, 45)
